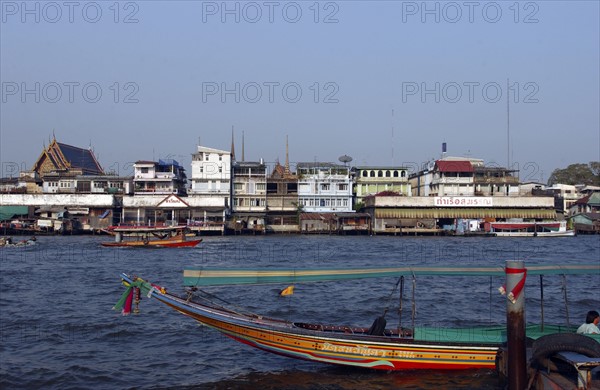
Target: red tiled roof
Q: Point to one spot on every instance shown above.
(454, 166)
(584, 200)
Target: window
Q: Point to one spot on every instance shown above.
(325, 187)
(372, 174)
(342, 187)
(144, 169)
(238, 186)
(292, 188)
(261, 186)
(201, 169)
(379, 173)
(271, 188)
(395, 173)
(206, 157)
(403, 173)
(364, 173)
(387, 174)
(220, 157)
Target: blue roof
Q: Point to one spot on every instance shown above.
(168, 162)
(80, 158)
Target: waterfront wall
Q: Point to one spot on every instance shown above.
(66, 200)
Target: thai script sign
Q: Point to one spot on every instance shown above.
(463, 201)
(364, 351)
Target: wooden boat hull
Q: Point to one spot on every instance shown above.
(153, 244)
(359, 350)
(568, 233)
(391, 354)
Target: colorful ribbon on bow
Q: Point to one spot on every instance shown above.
(134, 290)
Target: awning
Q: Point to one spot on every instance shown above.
(230, 276)
(50, 209)
(454, 212)
(8, 212)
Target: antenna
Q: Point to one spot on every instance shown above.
(507, 124)
(392, 136)
(345, 159)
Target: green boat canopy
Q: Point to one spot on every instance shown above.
(229, 276)
(9, 212)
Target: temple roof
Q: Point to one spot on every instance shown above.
(63, 157)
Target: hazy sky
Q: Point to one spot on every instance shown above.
(385, 82)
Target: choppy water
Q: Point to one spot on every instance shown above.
(57, 329)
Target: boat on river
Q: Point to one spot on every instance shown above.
(150, 237)
(8, 242)
(375, 347)
(531, 229)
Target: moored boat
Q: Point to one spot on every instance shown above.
(8, 242)
(531, 229)
(150, 237)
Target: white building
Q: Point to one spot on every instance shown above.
(464, 176)
(371, 180)
(159, 178)
(211, 174)
(324, 187)
(82, 184)
(250, 187)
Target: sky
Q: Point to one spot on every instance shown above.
(385, 82)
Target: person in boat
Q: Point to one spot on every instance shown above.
(591, 323)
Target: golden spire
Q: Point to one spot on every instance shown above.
(287, 158)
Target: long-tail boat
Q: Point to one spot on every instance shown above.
(150, 237)
(376, 347)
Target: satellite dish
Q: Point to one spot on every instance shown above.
(345, 159)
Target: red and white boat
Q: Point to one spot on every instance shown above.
(150, 237)
(530, 229)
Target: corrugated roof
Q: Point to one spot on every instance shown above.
(454, 166)
(316, 216)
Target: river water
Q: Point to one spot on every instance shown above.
(58, 329)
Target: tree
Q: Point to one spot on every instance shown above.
(587, 174)
(595, 167)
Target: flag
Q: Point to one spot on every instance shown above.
(287, 291)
